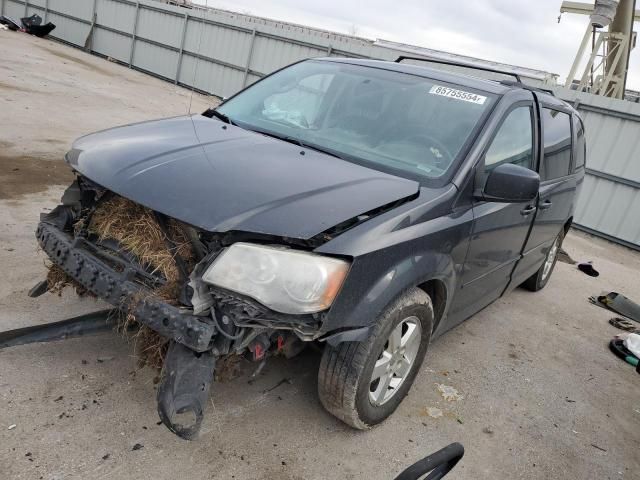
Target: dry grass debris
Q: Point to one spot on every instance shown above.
(136, 229)
(57, 280)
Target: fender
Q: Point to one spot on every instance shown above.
(406, 247)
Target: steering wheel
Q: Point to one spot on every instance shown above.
(437, 149)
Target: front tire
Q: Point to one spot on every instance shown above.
(362, 383)
(538, 280)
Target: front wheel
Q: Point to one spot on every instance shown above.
(538, 280)
(362, 383)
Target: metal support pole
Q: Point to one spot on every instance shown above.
(617, 43)
(622, 24)
(88, 43)
(184, 34)
(46, 10)
(584, 81)
(249, 55)
(26, 7)
(2, 7)
(133, 36)
(329, 50)
(576, 61)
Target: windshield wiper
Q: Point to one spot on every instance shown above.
(295, 141)
(220, 116)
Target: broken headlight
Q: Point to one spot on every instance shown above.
(284, 280)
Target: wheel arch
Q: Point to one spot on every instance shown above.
(437, 291)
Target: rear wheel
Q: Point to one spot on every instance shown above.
(362, 383)
(538, 280)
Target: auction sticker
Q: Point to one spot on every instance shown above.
(458, 94)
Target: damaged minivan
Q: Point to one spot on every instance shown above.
(367, 206)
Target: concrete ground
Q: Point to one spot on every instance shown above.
(542, 396)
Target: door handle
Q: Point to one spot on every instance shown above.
(528, 210)
(546, 204)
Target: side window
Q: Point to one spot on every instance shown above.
(514, 141)
(581, 144)
(557, 143)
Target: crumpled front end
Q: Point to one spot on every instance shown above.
(150, 267)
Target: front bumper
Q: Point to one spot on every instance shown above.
(117, 288)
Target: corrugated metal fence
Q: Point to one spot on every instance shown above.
(609, 205)
(220, 52)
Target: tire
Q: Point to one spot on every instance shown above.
(345, 376)
(538, 280)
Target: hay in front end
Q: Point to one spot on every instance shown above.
(137, 231)
(58, 280)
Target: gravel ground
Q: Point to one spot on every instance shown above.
(542, 396)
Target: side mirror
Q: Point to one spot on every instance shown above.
(510, 183)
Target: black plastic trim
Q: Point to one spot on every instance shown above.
(116, 289)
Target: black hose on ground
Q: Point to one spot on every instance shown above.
(439, 464)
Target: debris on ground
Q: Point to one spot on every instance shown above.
(632, 343)
(12, 426)
(9, 22)
(137, 446)
(433, 412)
(449, 393)
(619, 349)
(617, 303)
(624, 324)
(33, 26)
(281, 382)
(564, 257)
(229, 368)
(587, 267)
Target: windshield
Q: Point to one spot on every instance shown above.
(391, 121)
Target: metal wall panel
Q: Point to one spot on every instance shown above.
(160, 27)
(13, 9)
(82, 9)
(116, 15)
(155, 59)
(111, 44)
(609, 209)
(68, 30)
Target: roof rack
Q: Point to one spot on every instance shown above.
(527, 87)
(459, 64)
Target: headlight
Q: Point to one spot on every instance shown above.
(284, 280)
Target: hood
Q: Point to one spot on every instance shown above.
(219, 177)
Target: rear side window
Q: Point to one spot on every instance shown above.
(581, 145)
(557, 143)
(514, 141)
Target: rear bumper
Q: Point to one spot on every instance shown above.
(117, 289)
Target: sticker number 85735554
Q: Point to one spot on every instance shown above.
(458, 94)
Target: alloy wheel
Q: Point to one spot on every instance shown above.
(396, 360)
